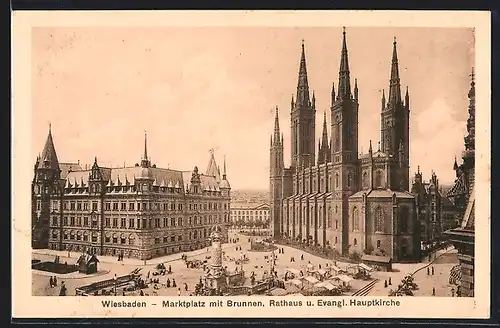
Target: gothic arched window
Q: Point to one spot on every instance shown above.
(355, 242)
(349, 180)
(378, 243)
(336, 180)
(355, 218)
(365, 180)
(378, 179)
(379, 220)
(403, 219)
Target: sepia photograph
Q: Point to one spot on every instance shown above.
(262, 165)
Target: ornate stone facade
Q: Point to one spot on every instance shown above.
(346, 201)
(141, 211)
(463, 196)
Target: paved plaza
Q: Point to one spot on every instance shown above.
(109, 266)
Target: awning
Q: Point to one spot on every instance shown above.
(73, 232)
(108, 234)
(294, 271)
(296, 282)
(79, 233)
(311, 279)
(310, 266)
(131, 236)
(344, 278)
(86, 233)
(325, 284)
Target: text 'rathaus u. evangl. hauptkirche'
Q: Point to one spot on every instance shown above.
(141, 211)
(336, 197)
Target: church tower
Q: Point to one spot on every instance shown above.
(395, 129)
(45, 187)
(344, 147)
(303, 114)
(276, 176)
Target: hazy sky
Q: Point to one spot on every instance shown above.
(194, 89)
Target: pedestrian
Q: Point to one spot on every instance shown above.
(169, 269)
(390, 281)
(319, 266)
(141, 293)
(168, 283)
(51, 282)
(385, 283)
(428, 271)
(302, 257)
(433, 291)
(452, 292)
(179, 292)
(55, 281)
(186, 286)
(173, 283)
(63, 290)
(123, 292)
(432, 269)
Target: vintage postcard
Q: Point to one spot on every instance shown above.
(251, 164)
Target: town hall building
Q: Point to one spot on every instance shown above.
(141, 211)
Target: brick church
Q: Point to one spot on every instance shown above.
(336, 197)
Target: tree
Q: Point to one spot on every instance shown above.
(406, 288)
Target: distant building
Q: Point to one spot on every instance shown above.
(341, 199)
(249, 212)
(462, 194)
(141, 211)
(429, 208)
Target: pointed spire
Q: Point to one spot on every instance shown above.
(313, 100)
(395, 86)
(145, 160)
(292, 104)
(145, 145)
(49, 157)
(303, 85)
(333, 92)
(370, 149)
(379, 146)
(383, 99)
(356, 89)
(407, 98)
(277, 127)
(344, 86)
(455, 165)
(324, 140)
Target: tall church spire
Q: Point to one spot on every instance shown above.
(276, 128)
(395, 86)
(324, 137)
(344, 86)
(302, 85)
